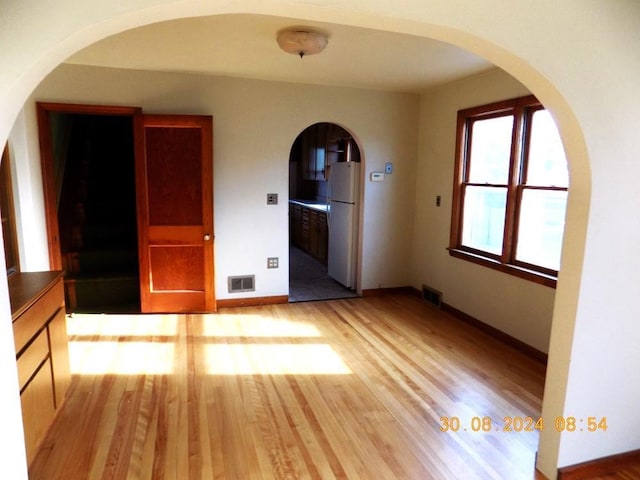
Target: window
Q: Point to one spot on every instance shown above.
(7, 213)
(510, 189)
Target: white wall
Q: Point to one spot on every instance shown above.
(521, 308)
(255, 124)
(28, 194)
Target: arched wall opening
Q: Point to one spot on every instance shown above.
(325, 213)
(493, 41)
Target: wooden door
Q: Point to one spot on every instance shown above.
(174, 183)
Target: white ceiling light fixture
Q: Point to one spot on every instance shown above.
(302, 41)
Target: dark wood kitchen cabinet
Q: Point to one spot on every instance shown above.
(322, 145)
(304, 241)
(295, 223)
(323, 238)
(314, 153)
(309, 230)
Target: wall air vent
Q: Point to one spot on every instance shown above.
(245, 283)
(432, 296)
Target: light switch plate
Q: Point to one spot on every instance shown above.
(272, 198)
(388, 168)
(377, 177)
(272, 262)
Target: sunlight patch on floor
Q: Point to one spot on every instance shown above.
(257, 359)
(121, 358)
(122, 325)
(118, 346)
(251, 325)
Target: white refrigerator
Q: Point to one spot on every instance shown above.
(344, 179)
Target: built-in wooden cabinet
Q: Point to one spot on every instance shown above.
(295, 223)
(314, 153)
(42, 351)
(322, 145)
(323, 238)
(305, 243)
(309, 230)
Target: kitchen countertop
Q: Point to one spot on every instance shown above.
(320, 207)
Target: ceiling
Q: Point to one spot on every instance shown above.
(245, 46)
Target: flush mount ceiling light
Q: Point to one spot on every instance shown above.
(301, 41)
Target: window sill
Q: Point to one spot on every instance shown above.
(531, 275)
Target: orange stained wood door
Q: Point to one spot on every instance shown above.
(174, 180)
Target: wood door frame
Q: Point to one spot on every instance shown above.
(44, 109)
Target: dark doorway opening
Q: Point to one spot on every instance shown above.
(94, 165)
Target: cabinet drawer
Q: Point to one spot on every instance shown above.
(38, 409)
(26, 326)
(32, 357)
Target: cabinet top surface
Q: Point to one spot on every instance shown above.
(25, 288)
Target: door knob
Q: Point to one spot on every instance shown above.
(207, 237)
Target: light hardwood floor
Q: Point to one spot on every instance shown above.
(339, 389)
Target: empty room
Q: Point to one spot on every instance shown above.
(319, 239)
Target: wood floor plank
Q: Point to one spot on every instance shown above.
(344, 389)
(464, 400)
(414, 412)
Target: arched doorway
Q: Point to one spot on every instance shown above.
(324, 207)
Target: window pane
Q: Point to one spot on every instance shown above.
(541, 227)
(491, 150)
(484, 214)
(547, 162)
